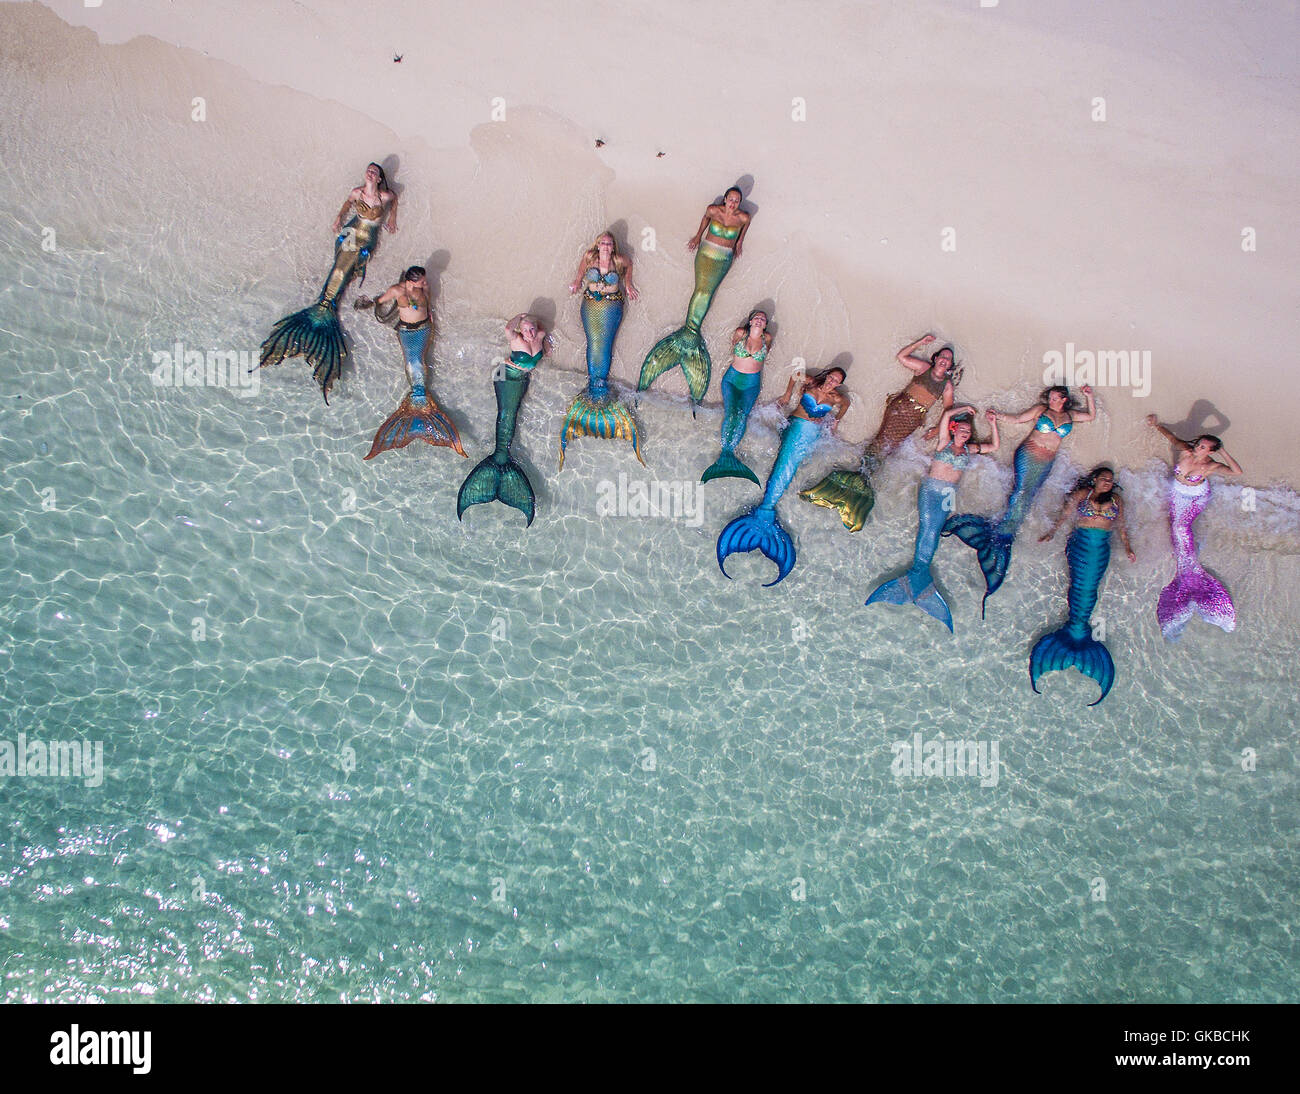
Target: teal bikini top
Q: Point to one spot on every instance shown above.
(759, 355)
(594, 275)
(1046, 425)
(523, 360)
(959, 460)
(812, 407)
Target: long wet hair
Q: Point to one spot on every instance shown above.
(594, 249)
(383, 176)
(817, 378)
(1065, 392)
(1089, 481)
(954, 373)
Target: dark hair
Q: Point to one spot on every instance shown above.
(820, 377)
(1065, 394)
(413, 272)
(1090, 480)
(1214, 441)
(383, 178)
(730, 189)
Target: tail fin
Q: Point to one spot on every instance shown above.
(758, 530)
(606, 418)
(991, 548)
(313, 333)
(1195, 591)
(848, 493)
(1061, 650)
(417, 416)
(493, 481)
(899, 591)
(683, 347)
(727, 466)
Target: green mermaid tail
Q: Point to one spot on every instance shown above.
(739, 393)
(498, 477)
(849, 493)
(314, 332)
(685, 347)
(595, 412)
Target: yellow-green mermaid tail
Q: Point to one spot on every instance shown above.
(596, 412)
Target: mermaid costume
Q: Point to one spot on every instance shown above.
(1088, 553)
(417, 416)
(595, 412)
(497, 477)
(1193, 590)
(992, 541)
(933, 503)
(314, 333)
(850, 492)
(760, 529)
(685, 346)
(739, 394)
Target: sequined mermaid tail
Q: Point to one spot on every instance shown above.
(849, 492)
(992, 540)
(498, 477)
(685, 346)
(418, 416)
(739, 393)
(933, 503)
(595, 412)
(1193, 590)
(314, 333)
(760, 529)
(1088, 554)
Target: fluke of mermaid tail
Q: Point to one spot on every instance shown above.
(758, 530)
(683, 347)
(1088, 555)
(727, 466)
(992, 549)
(606, 418)
(313, 333)
(900, 591)
(498, 477)
(1193, 590)
(418, 417)
(849, 493)
(1062, 650)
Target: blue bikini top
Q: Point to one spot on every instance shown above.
(813, 408)
(1046, 425)
(594, 274)
(959, 460)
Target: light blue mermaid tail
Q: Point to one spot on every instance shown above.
(759, 529)
(992, 541)
(739, 393)
(314, 333)
(595, 412)
(418, 416)
(933, 503)
(498, 477)
(685, 346)
(1088, 553)
(1193, 589)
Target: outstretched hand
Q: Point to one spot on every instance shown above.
(1131, 556)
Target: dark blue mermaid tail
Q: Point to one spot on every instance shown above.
(992, 541)
(314, 333)
(498, 477)
(685, 346)
(933, 503)
(1088, 553)
(418, 416)
(759, 529)
(1193, 589)
(595, 412)
(739, 393)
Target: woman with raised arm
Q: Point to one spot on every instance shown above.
(1193, 590)
(759, 529)
(498, 477)
(741, 384)
(934, 501)
(716, 244)
(850, 492)
(1054, 418)
(1096, 510)
(605, 278)
(314, 332)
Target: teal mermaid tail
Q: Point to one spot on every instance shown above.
(685, 347)
(314, 333)
(1088, 554)
(739, 393)
(760, 529)
(992, 541)
(418, 416)
(917, 585)
(498, 477)
(595, 412)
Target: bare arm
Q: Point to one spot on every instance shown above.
(989, 449)
(624, 266)
(1071, 500)
(1228, 467)
(694, 241)
(583, 263)
(1024, 416)
(1122, 528)
(1089, 414)
(338, 220)
(744, 227)
(1177, 442)
(916, 364)
(391, 223)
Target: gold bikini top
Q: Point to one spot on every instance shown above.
(368, 212)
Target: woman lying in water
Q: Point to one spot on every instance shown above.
(741, 384)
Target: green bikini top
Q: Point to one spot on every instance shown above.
(523, 360)
(759, 355)
(721, 230)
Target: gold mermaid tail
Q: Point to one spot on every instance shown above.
(606, 418)
(414, 419)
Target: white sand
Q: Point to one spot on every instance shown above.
(1123, 234)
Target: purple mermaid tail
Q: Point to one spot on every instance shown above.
(1192, 589)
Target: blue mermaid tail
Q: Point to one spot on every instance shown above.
(498, 477)
(1088, 553)
(314, 332)
(760, 529)
(933, 501)
(992, 541)
(418, 417)
(595, 412)
(739, 393)
(685, 346)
